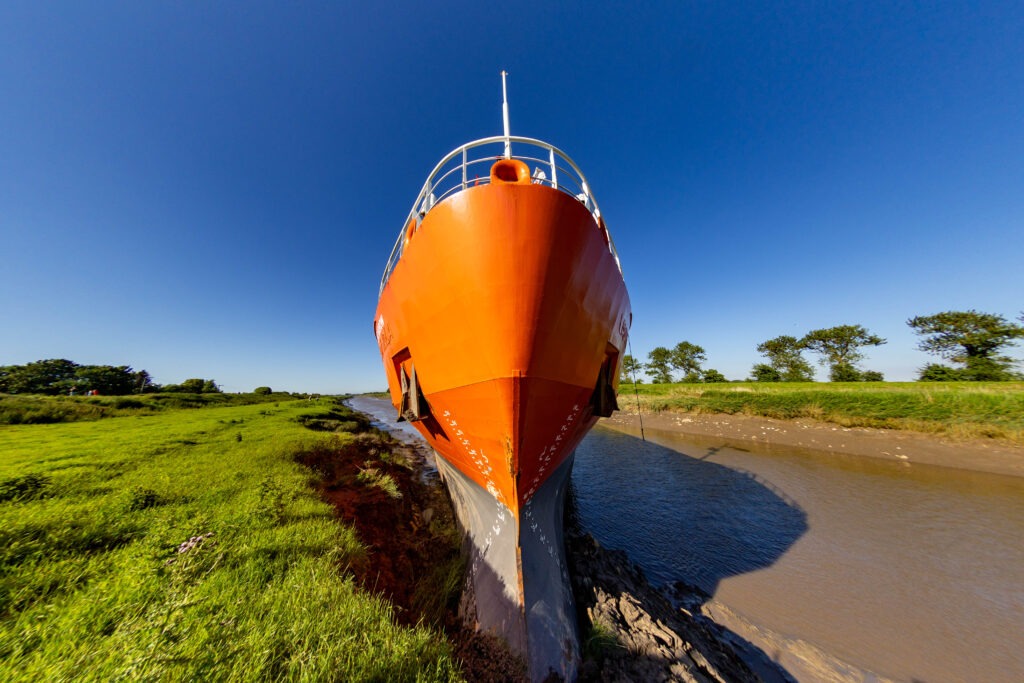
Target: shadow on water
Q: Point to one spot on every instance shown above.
(680, 517)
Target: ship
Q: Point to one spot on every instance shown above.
(502, 321)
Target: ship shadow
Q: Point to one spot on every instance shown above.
(688, 522)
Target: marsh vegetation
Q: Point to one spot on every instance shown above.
(172, 543)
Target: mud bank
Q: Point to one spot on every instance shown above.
(630, 630)
(633, 632)
(744, 431)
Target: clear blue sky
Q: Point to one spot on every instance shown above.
(212, 189)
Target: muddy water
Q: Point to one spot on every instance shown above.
(837, 567)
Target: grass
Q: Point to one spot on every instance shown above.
(188, 545)
(32, 409)
(955, 409)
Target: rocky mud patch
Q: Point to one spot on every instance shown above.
(633, 632)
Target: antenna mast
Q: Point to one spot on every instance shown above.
(504, 114)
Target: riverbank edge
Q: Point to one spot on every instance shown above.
(630, 630)
(765, 434)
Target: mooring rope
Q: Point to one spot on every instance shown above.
(632, 371)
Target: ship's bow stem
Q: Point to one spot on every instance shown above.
(517, 583)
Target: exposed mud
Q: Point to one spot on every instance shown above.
(631, 632)
(745, 431)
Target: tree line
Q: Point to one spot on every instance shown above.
(973, 342)
(58, 376)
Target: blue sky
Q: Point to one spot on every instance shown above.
(212, 189)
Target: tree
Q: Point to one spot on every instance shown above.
(840, 349)
(262, 391)
(687, 358)
(54, 376)
(784, 354)
(193, 385)
(142, 382)
(763, 372)
(971, 339)
(990, 369)
(105, 379)
(659, 365)
(631, 367)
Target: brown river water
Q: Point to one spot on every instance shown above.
(837, 567)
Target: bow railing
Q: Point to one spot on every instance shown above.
(470, 165)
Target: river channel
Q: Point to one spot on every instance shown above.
(837, 567)
(832, 565)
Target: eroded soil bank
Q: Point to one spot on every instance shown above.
(406, 523)
(630, 631)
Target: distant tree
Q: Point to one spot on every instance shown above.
(142, 382)
(763, 372)
(971, 339)
(105, 379)
(840, 349)
(687, 358)
(990, 369)
(784, 354)
(711, 375)
(61, 376)
(659, 365)
(262, 391)
(631, 367)
(54, 376)
(872, 376)
(192, 386)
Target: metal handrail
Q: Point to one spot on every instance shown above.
(447, 179)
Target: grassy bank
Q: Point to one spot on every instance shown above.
(955, 409)
(189, 545)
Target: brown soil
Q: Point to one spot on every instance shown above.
(411, 542)
(979, 455)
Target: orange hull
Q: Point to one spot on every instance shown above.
(506, 302)
(501, 322)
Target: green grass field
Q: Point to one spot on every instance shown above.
(955, 409)
(181, 544)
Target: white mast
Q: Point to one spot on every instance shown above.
(504, 114)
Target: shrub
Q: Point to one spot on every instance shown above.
(934, 372)
(763, 372)
(844, 372)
